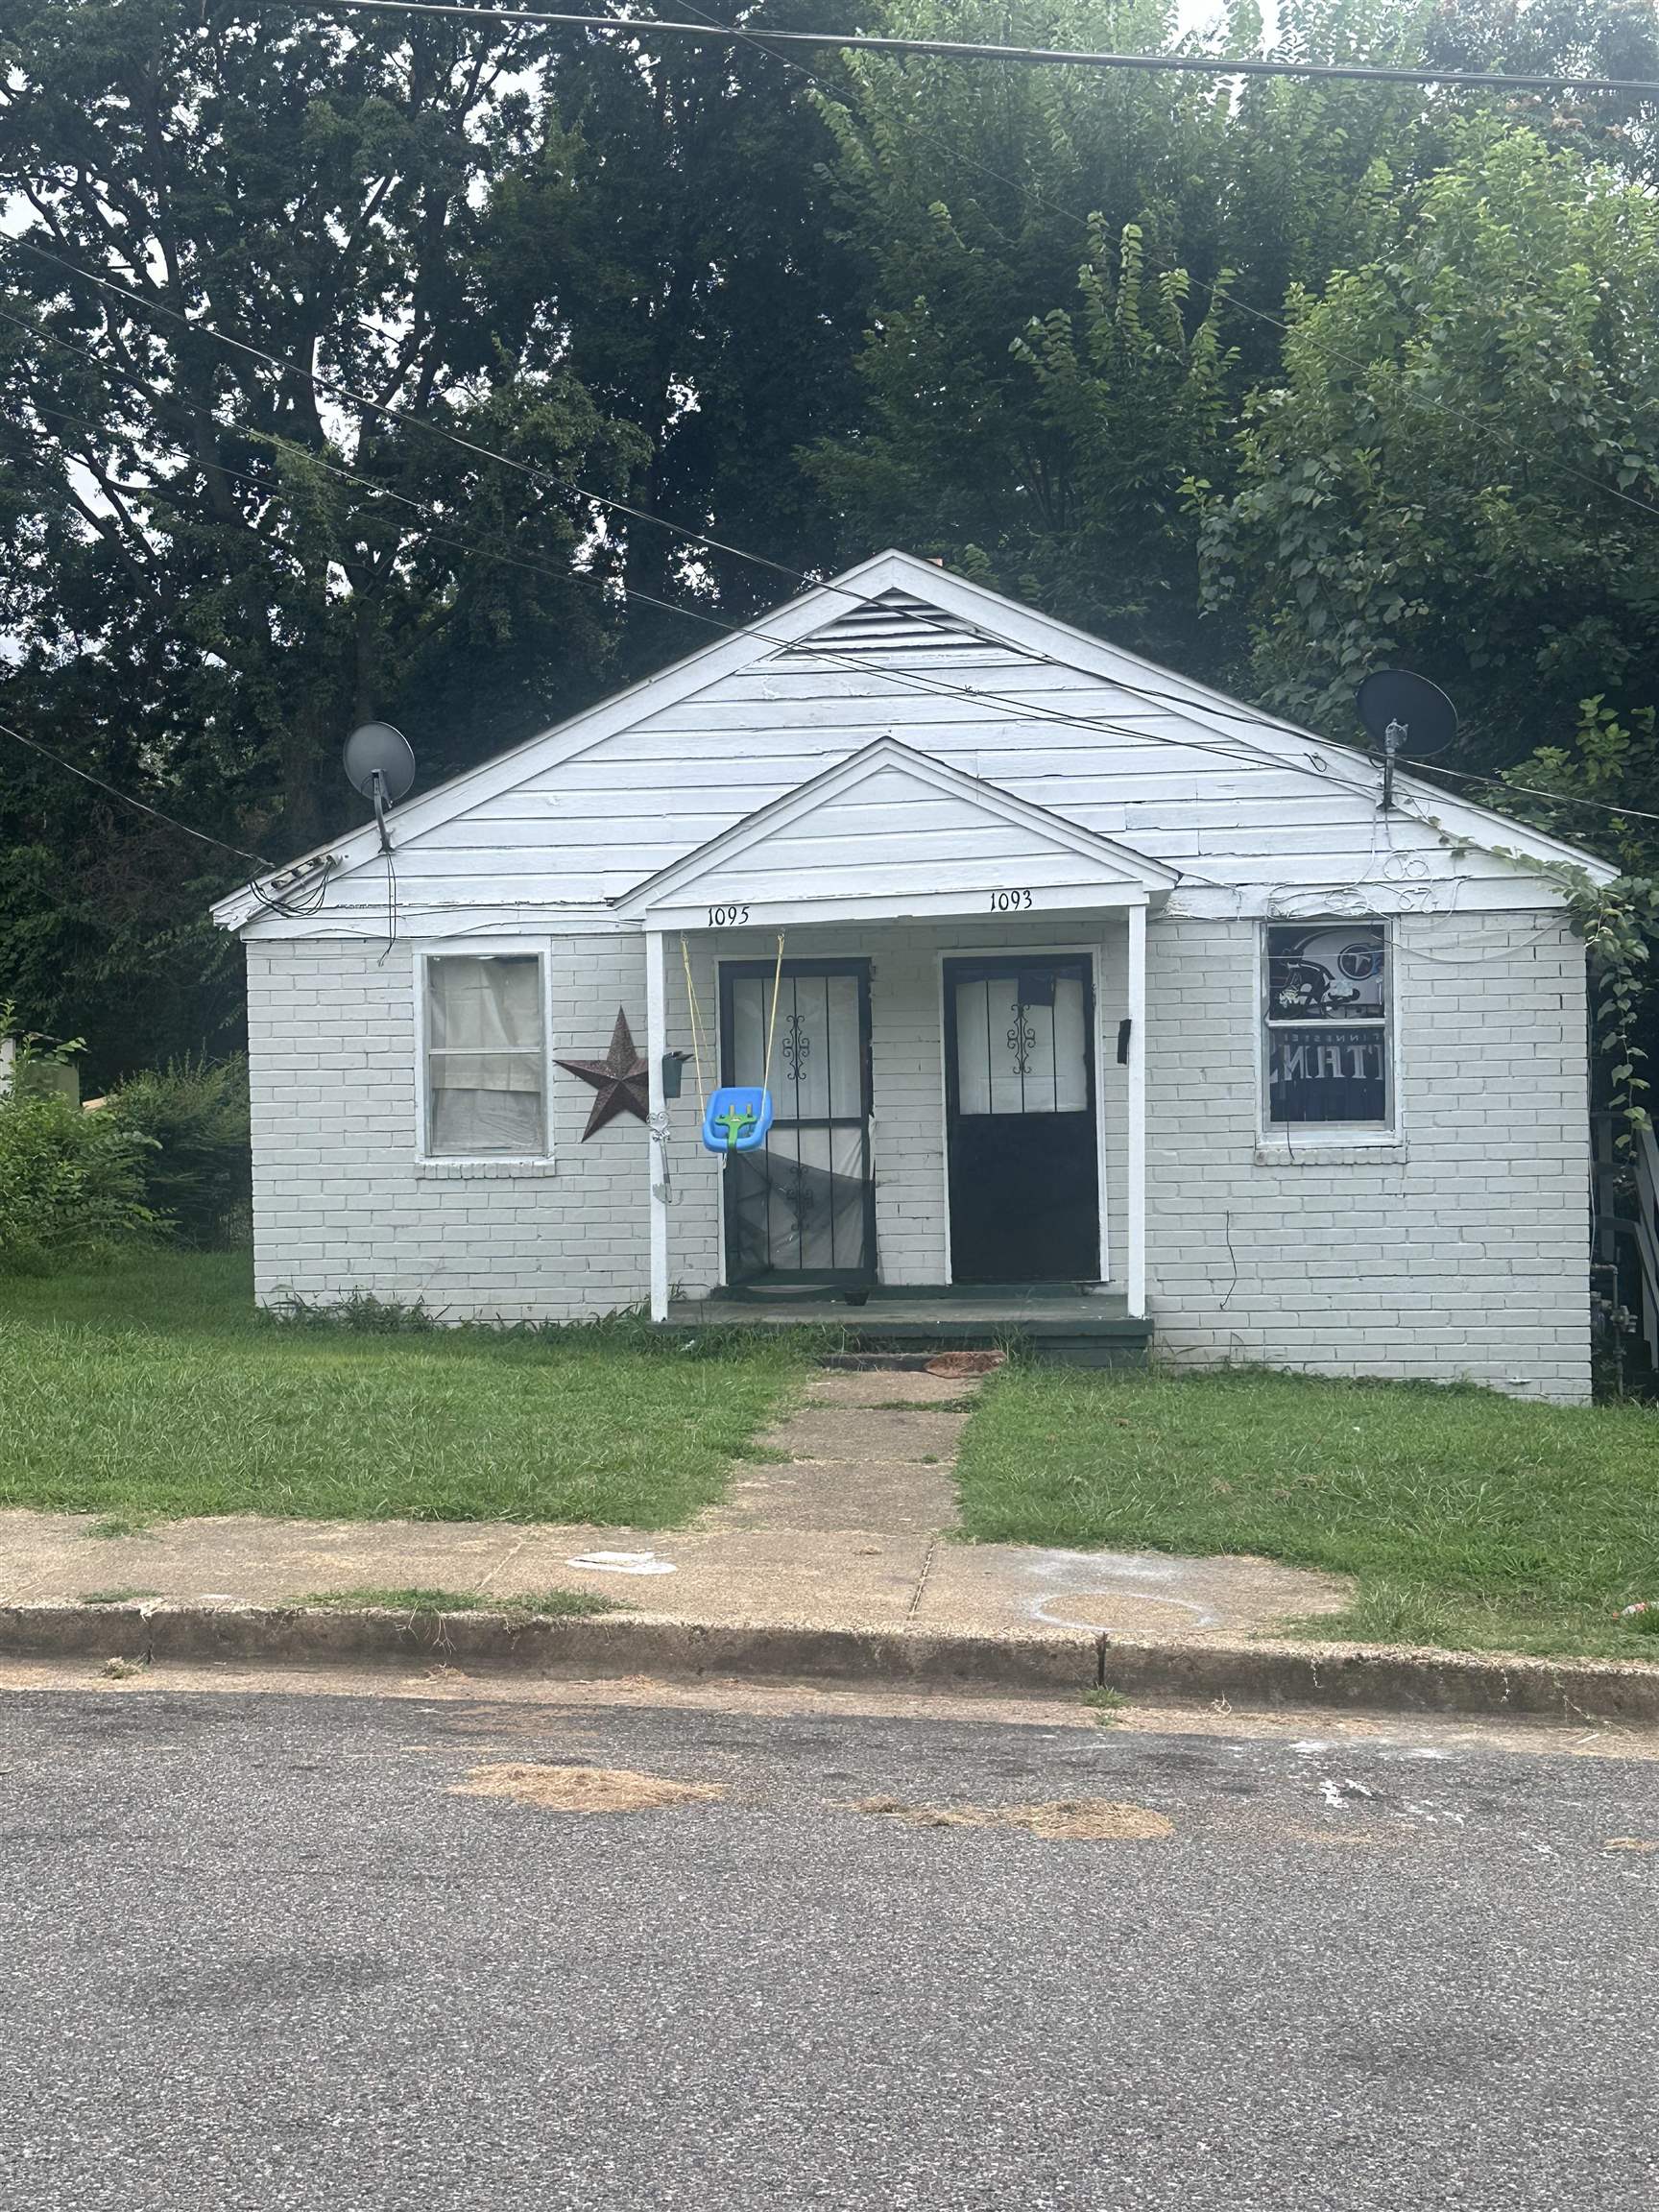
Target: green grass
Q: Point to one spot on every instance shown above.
(115, 1596)
(154, 1388)
(1469, 1520)
(543, 1604)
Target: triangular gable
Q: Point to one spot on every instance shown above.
(894, 832)
(875, 619)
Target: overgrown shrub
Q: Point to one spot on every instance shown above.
(199, 1172)
(71, 1184)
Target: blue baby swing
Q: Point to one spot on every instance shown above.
(736, 1117)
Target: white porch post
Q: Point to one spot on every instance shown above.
(656, 1144)
(1136, 1133)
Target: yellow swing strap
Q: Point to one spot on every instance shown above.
(696, 1026)
(772, 1026)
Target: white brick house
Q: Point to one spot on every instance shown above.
(1090, 977)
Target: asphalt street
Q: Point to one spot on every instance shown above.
(257, 1951)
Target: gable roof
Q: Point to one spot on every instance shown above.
(907, 611)
(850, 841)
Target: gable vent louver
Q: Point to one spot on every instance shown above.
(898, 627)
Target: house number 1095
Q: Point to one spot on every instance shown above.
(1010, 902)
(727, 917)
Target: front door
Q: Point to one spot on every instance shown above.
(1020, 1119)
(803, 1208)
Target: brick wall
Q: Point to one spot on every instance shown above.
(1459, 1252)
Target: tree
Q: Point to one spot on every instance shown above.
(1459, 466)
(981, 198)
(217, 568)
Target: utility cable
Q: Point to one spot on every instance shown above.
(1034, 57)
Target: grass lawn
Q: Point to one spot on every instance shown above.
(1469, 1520)
(154, 1388)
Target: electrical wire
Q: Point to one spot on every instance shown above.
(1214, 292)
(1016, 709)
(1042, 56)
(1163, 701)
(1024, 710)
(127, 799)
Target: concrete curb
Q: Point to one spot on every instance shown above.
(1361, 1676)
(607, 1644)
(1247, 1674)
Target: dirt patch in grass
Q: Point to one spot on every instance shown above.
(1061, 1821)
(584, 1788)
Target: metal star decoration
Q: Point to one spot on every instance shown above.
(621, 1079)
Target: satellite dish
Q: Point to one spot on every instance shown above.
(374, 749)
(1422, 716)
(380, 763)
(1400, 709)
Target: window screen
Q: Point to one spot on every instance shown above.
(485, 1057)
(1327, 1023)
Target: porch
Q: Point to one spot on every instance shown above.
(942, 991)
(1057, 1323)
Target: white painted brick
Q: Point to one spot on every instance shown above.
(1466, 1257)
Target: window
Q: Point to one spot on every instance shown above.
(1327, 1024)
(1022, 1038)
(485, 1061)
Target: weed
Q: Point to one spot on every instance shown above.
(1107, 1705)
(114, 1597)
(543, 1604)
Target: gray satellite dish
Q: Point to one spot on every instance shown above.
(1400, 709)
(380, 763)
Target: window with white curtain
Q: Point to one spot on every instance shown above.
(486, 1077)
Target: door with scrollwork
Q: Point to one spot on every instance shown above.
(802, 1209)
(1021, 1119)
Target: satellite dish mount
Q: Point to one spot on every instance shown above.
(381, 764)
(1399, 709)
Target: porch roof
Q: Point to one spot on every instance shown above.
(892, 834)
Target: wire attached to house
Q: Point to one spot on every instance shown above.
(1016, 709)
(143, 806)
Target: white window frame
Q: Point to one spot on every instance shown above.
(1295, 1136)
(497, 949)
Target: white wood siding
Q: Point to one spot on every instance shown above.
(1187, 779)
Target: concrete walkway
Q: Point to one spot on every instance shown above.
(846, 1525)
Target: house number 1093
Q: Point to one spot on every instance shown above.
(1010, 902)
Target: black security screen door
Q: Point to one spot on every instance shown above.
(1020, 1111)
(802, 1209)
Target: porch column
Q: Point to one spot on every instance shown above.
(1137, 1130)
(657, 1136)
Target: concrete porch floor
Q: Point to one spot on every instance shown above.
(1057, 1321)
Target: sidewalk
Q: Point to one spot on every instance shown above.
(833, 1557)
(848, 1528)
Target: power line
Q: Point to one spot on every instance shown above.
(1036, 56)
(1017, 709)
(127, 799)
(339, 391)
(1539, 791)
